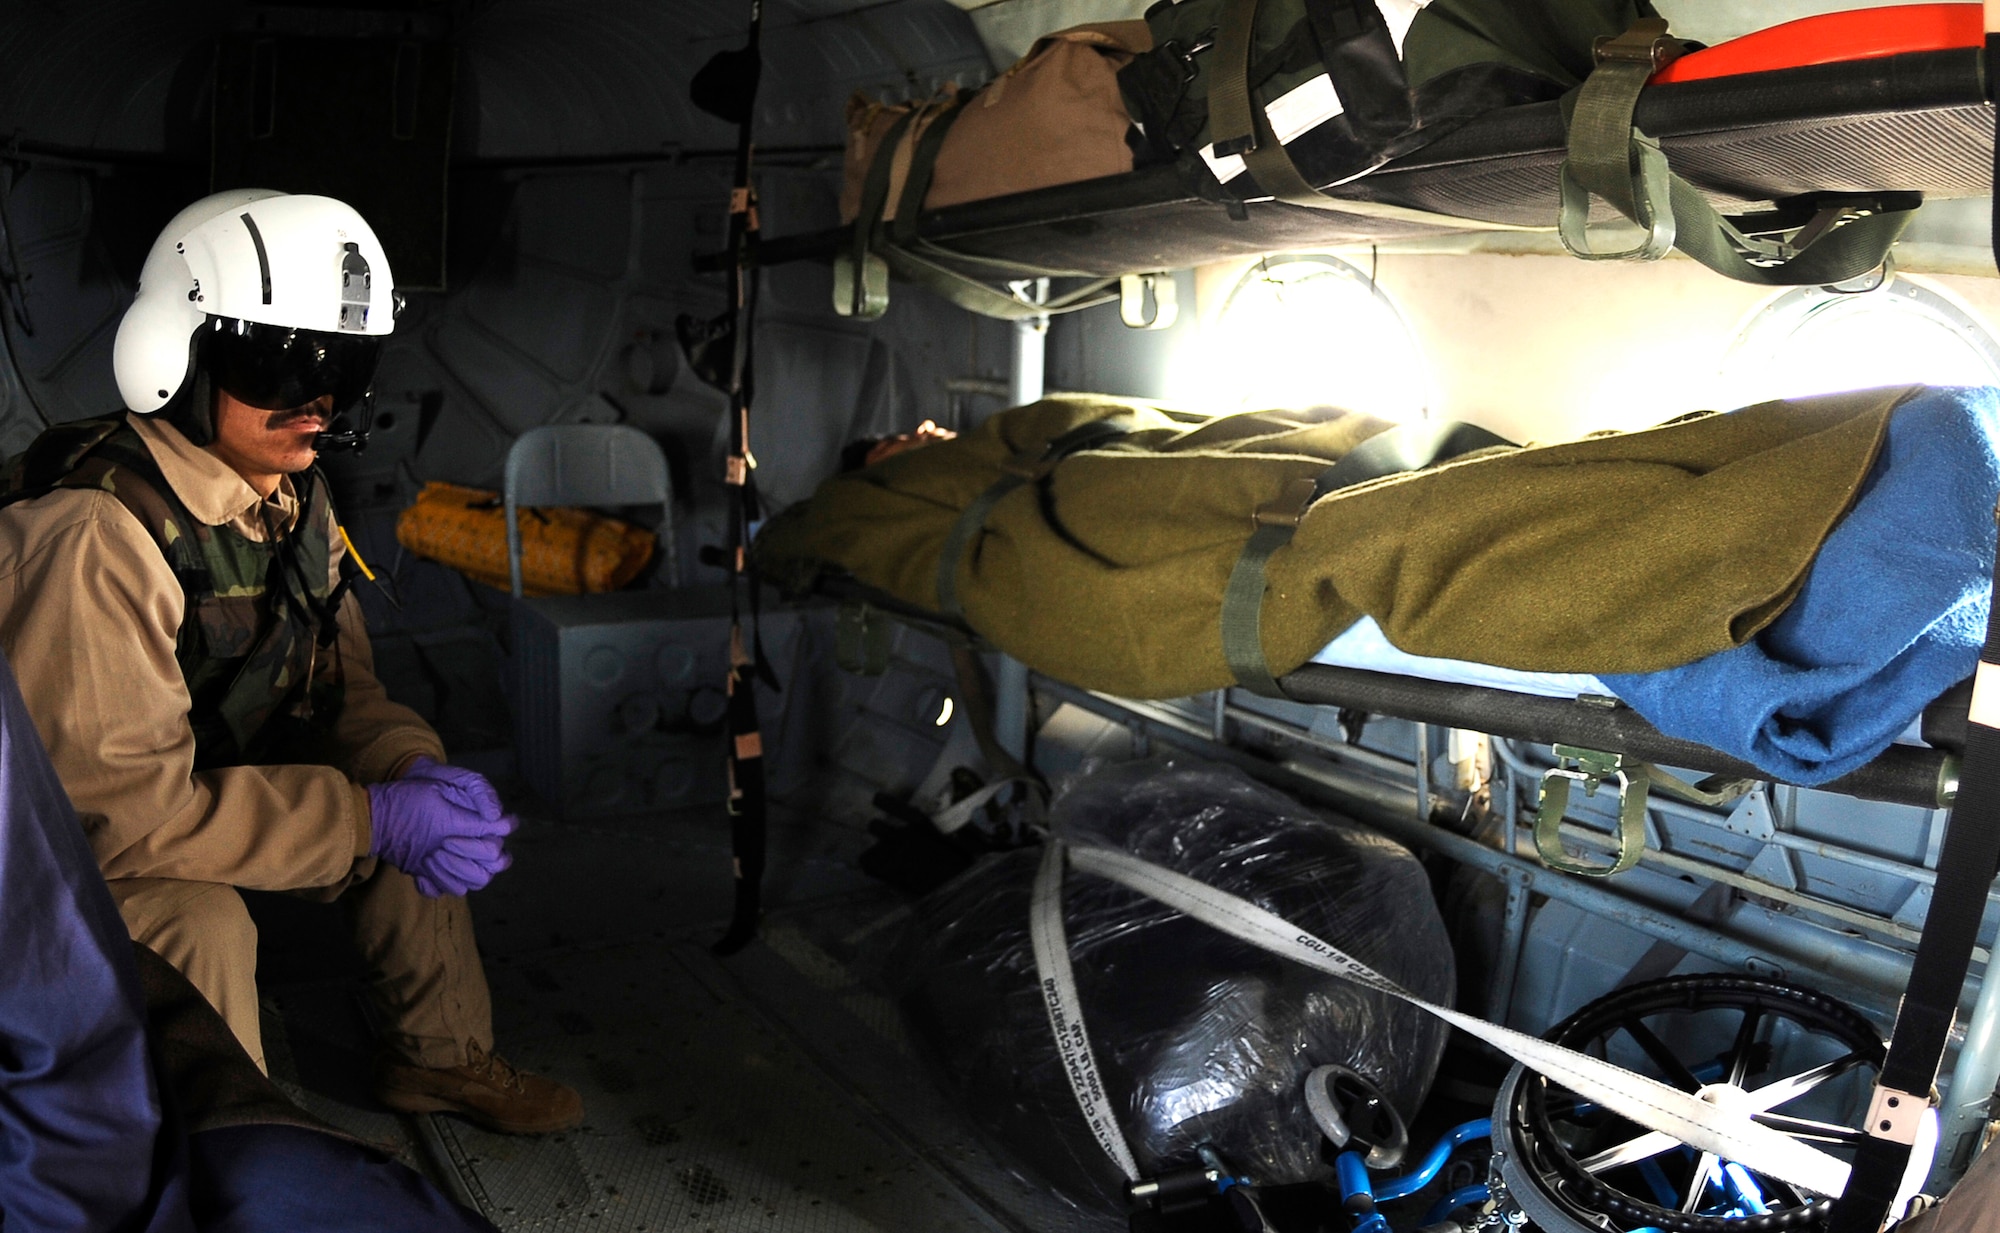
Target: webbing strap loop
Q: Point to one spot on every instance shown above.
(1608, 156)
(860, 261)
(1022, 468)
(923, 167)
(1845, 236)
(1243, 599)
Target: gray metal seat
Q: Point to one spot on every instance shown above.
(587, 464)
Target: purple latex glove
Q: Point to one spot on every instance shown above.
(462, 865)
(442, 825)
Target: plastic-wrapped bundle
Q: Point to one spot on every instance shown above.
(1200, 1038)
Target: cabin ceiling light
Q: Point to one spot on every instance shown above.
(1301, 332)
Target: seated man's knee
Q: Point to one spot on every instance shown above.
(203, 929)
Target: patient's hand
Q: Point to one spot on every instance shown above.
(888, 447)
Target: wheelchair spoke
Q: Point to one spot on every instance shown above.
(1739, 1053)
(1675, 1070)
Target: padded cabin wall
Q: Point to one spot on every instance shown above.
(824, 380)
(1095, 351)
(537, 79)
(1548, 348)
(1534, 347)
(61, 294)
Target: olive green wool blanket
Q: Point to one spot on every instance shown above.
(1628, 552)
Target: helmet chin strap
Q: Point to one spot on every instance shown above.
(351, 438)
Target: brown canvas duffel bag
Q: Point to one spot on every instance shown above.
(1055, 117)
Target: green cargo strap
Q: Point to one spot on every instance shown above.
(1406, 447)
(1232, 120)
(1243, 598)
(1604, 145)
(975, 695)
(922, 169)
(973, 295)
(1022, 468)
(874, 198)
(1635, 781)
(1845, 237)
(862, 637)
(861, 275)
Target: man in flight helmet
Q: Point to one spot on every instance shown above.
(174, 595)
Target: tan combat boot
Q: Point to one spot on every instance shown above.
(487, 1091)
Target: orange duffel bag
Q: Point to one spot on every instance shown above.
(563, 551)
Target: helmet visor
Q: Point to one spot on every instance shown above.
(277, 368)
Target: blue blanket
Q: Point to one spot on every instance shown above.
(1892, 613)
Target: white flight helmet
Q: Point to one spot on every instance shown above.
(278, 299)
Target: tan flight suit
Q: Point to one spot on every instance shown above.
(89, 612)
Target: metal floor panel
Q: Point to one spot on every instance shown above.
(701, 1114)
(766, 1091)
(856, 1034)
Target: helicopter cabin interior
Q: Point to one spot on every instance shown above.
(1276, 615)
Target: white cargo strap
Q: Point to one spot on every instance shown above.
(1730, 1134)
(1045, 930)
(953, 817)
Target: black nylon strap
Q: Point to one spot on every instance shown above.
(1966, 868)
(1406, 447)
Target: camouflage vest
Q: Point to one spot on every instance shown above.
(256, 615)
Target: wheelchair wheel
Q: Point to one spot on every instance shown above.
(1805, 1061)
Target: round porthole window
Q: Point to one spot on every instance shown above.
(1306, 331)
(1814, 341)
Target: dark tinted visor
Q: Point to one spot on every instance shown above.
(276, 368)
